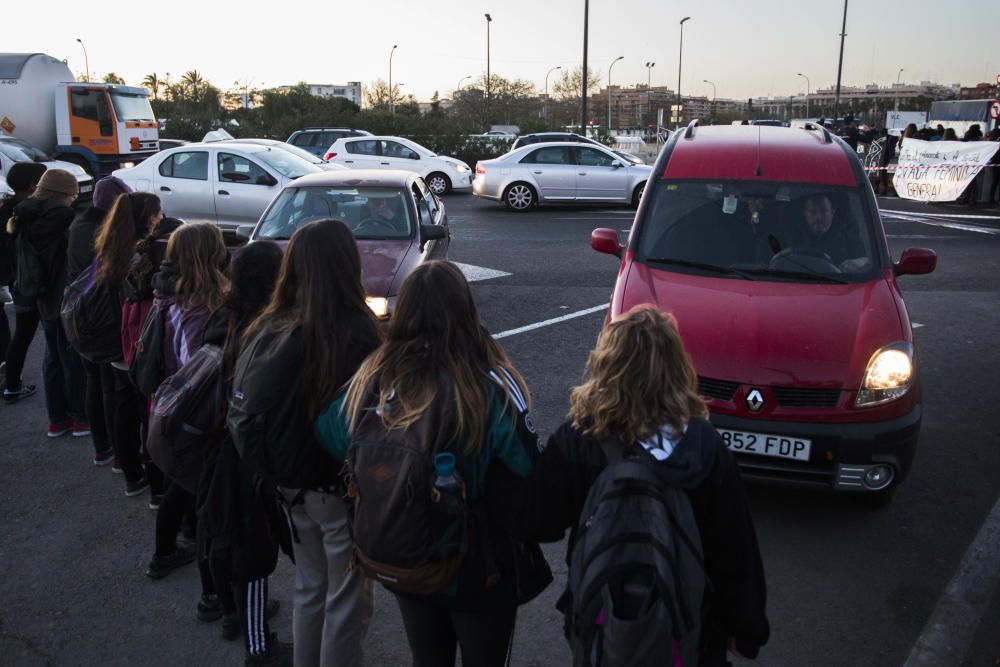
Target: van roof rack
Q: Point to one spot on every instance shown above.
(689, 132)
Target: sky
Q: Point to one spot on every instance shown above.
(746, 47)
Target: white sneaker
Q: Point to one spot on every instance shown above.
(5, 296)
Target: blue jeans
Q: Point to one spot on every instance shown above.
(63, 376)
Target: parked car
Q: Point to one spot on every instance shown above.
(767, 246)
(548, 137)
(317, 140)
(228, 184)
(172, 143)
(559, 173)
(398, 223)
(441, 173)
(14, 150)
(294, 150)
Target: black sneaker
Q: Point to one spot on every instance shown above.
(209, 608)
(154, 501)
(278, 653)
(161, 566)
(15, 395)
(137, 487)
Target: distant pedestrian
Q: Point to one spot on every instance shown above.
(850, 133)
(42, 222)
(444, 386)
(640, 401)
(83, 234)
(22, 178)
(949, 135)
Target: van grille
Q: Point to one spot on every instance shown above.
(723, 390)
(797, 397)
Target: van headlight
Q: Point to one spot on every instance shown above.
(888, 377)
(379, 306)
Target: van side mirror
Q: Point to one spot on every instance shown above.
(606, 241)
(915, 262)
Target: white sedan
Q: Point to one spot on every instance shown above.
(13, 150)
(442, 174)
(225, 183)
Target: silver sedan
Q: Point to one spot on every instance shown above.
(560, 173)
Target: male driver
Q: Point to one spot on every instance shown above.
(844, 248)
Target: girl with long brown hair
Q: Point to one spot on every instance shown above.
(440, 366)
(318, 318)
(641, 396)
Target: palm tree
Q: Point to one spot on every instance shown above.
(194, 81)
(153, 83)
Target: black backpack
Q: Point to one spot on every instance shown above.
(184, 413)
(32, 279)
(407, 535)
(636, 573)
(267, 416)
(92, 318)
(147, 371)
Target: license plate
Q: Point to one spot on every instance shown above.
(86, 188)
(766, 444)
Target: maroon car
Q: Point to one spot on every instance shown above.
(396, 220)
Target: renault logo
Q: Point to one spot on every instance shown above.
(755, 400)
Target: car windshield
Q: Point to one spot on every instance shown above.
(370, 212)
(132, 107)
(294, 150)
(286, 163)
(761, 231)
(18, 151)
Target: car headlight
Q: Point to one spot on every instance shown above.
(379, 306)
(462, 169)
(889, 375)
(127, 165)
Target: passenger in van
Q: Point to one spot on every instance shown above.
(836, 240)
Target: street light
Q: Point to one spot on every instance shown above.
(489, 20)
(459, 86)
(713, 96)
(807, 92)
(586, 71)
(679, 59)
(840, 63)
(649, 78)
(86, 59)
(392, 109)
(609, 89)
(898, 74)
(546, 109)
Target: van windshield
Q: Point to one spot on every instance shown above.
(759, 231)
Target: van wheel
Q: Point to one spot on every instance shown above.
(637, 195)
(519, 197)
(439, 184)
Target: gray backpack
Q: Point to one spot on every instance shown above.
(636, 574)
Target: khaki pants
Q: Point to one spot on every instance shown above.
(333, 606)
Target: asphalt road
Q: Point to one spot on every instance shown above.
(847, 585)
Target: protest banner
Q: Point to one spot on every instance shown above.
(936, 171)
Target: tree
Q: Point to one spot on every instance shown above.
(153, 83)
(193, 81)
(111, 77)
(376, 96)
(569, 86)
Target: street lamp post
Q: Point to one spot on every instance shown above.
(807, 92)
(586, 72)
(679, 60)
(86, 59)
(714, 94)
(459, 86)
(546, 108)
(392, 109)
(609, 90)
(840, 63)
(489, 20)
(898, 74)
(649, 78)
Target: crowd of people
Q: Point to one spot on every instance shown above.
(401, 453)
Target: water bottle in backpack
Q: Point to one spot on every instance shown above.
(449, 489)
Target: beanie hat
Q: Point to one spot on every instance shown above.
(107, 191)
(22, 176)
(58, 180)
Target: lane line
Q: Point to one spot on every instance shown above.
(554, 320)
(952, 627)
(992, 231)
(966, 216)
(926, 236)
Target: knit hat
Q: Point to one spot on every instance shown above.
(107, 191)
(22, 176)
(58, 180)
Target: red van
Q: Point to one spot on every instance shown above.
(767, 245)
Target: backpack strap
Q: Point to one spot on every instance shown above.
(613, 451)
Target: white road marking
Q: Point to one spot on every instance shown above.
(477, 273)
(554, 320)
(924, 220)
(917, 325)
(956, 618)
(966, 216)
(925, 236)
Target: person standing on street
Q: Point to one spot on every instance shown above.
(22, 178)
(42, 222)
(82, 237)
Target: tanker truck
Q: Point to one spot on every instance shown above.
(98, 126)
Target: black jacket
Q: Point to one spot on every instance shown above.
(702, 466)
(82, 235)
(44, 223)
(8, 254)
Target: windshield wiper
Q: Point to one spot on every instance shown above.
(722, 270)
(810, 275)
